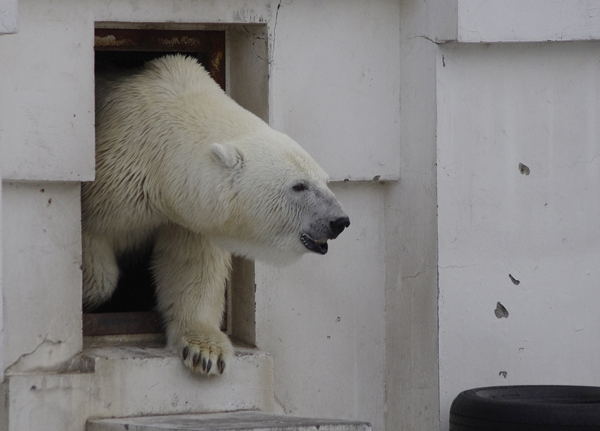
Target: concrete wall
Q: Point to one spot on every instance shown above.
(9, 17)
(371, 90)
(341, 59)
(485, 21)
(46, 80)
(332, 83)
(526, 20)
(517, 180)
(486, 109)
(518, 173)
(9, 24)
(42, 276)
(326, 330)
(411, 230)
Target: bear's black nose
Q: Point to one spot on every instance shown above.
(338, 225)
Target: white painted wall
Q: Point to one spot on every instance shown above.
(500, 106)
(9, 23)
(9, 16)
(42, 275)
(333, 85)
(46, 79)
(336, 84)
(527, 20)
(411, 231)
(314, 76)
(364, 87)
(323, 319)
(485, 21)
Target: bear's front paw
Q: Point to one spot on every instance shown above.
(206, 351)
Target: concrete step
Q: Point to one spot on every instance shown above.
(135, 381)
(233, 421)
(130, 380)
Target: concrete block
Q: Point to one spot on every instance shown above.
(236, 421)
(154, 381)
(47, 87)
(120, 381)
(41, 261)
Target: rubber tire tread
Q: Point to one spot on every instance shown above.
(527, 408)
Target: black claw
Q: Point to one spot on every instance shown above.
(195, 359)
(185, 353)
(203, 364)
(221, 366)
(208, 366)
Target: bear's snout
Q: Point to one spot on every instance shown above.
(338, 225)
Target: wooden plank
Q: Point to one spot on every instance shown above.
(139, 322)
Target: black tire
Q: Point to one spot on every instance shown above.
(527, 408)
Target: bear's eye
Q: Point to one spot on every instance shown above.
(300, 187)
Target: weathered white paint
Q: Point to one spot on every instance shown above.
(123, 381)
(500, 106)
(322, 96)
(527, 20)
(8, 24)
(9, 16)
(330, 74)
(47, 84)
(323, 319)
(485, 21)
(42, 276)
(411, 237)
(340, 97)
(337, 95)
(1, 290)
(436, 20)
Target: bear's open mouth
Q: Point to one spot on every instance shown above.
(318, 246)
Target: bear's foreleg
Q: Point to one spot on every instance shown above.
(100, 270)
(190, 274)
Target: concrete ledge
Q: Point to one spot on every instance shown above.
(527, 21)
(152, 380)
(236, 421)
(128, 380)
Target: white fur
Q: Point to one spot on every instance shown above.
(181, 166)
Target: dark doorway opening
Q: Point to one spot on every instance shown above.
(131, 308)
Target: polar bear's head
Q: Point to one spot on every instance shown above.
(278, 203)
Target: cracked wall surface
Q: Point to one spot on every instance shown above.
(41, 276)
(326, 73)
(518, 248)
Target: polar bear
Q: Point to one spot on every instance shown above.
(182, 168)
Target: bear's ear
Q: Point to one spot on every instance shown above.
(227, 156)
